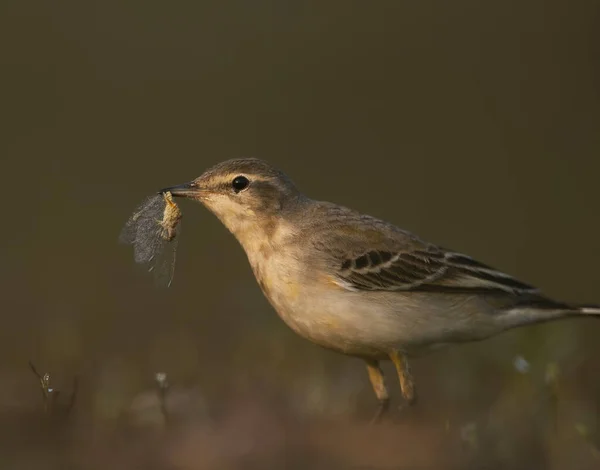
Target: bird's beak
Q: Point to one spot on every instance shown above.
(190, 190)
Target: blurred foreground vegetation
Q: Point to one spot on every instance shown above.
(493, 405)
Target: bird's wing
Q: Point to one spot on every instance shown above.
(431, 269)
(373, 255)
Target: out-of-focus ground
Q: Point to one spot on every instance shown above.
(473, 124)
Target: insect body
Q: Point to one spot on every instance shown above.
(171, 218)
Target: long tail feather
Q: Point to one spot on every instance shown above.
(543, 310)
(588, 310)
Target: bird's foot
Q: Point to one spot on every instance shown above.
(382, 409)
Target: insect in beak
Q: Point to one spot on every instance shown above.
(182, 190)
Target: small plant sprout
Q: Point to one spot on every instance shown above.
(521, 364)
(469, 435)
(589, 437)
(50, 394)
(552, 374)
(163, 388)
(551, 379)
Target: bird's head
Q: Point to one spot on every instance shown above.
(243, 193)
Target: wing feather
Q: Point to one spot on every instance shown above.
(374, 255)
(425, 269)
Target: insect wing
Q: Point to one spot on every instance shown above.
(162, 264)
(144, 232)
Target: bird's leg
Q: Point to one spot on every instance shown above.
(168, 197)
(407, 385)
(378, 383)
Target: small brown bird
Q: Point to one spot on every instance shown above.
(358, 285)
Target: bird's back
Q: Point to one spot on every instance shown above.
(377, 284)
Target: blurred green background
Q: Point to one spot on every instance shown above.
(473, 124)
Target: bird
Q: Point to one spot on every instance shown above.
(358, 285)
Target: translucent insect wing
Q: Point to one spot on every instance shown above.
(144, 232)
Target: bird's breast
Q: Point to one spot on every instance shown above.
(278, 280)
(311, 304)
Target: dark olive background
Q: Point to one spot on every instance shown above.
(474, 124)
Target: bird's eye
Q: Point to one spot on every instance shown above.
(240, 183)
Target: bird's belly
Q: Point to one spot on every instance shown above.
(331, 318)
(373, 324)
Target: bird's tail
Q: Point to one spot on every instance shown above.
(544, 310)
(587, 310)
